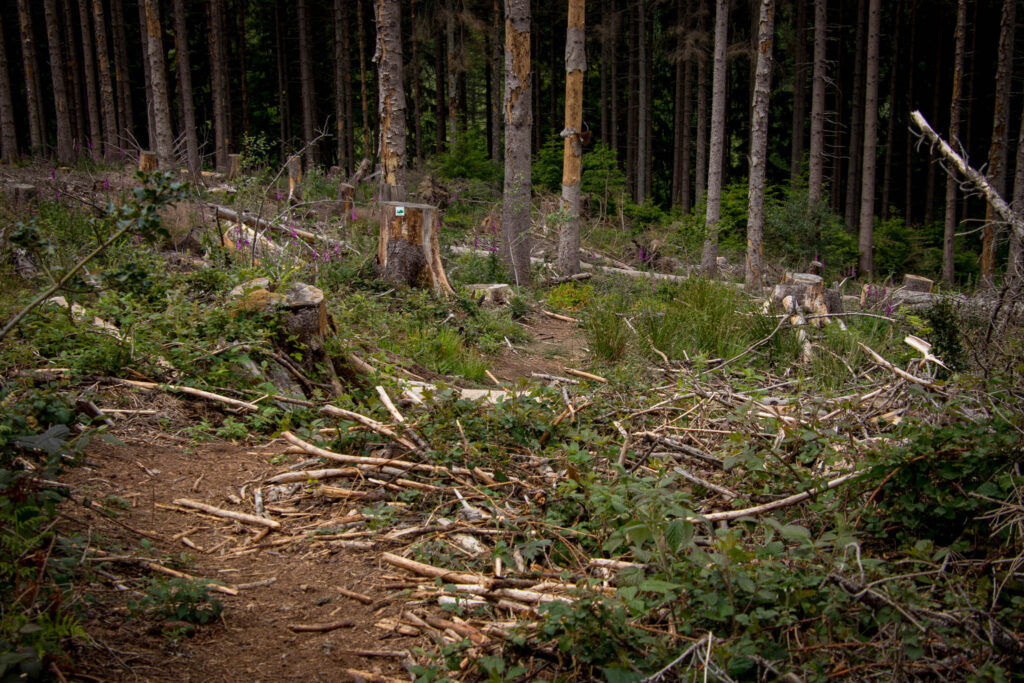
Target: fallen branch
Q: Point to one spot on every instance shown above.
(228, 514)
(430, 570)
(312, 475)
(586, 375)
(242, 405)
(558, 316)
(365, 599)
(320, 628)
(889, 366)
(370, 423)
(359, 459)
(776, 504)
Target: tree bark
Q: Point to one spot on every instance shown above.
(284, 115)
(340, 69)
(857, 133)
(515, 216)
(8, 130)
(632, 109)
(391, 99)
(36, 123)
(111, 142)
(816, 174)
(572, 158)
(700, 170)
(219, 82)
(163, 135)
(997, 152)
(1015, 262)
(89, 64)
(125, 123)
(908, 172)
(76, 106)
(496, 70)
(407, 249)
(440, 97)
(306, 83)
(364, 90)
(796, 152)
(709, 257)
(415, 73)
(614, 85)
(185, 81)
(865, 241)
(643, 138)
(759, 147)
(949, 227)
(606, 58)
(150, 128)
(890, 132)
(452, 90)
(65, 134)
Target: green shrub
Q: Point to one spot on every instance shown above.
(186, 600)
(467, 158)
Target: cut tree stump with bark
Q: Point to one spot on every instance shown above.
(21, 193)
(294, 178)
(408, 251)
(147, 161)
(916, 283)
(808, 295)
(234, 166)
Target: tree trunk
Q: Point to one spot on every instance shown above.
(606, 58)
(350, 130)
(452, 90)
(407, 249)
(997, 152)
(796, 152)
(909, 153)
(614, 86)
(572, 158)
(643, 139)
(890, 132)
(185, 81)
(496, 64)
(865, 242)
(709, 257)
(36, 124)
(417, 118)
(111, 143)
(700, 171)
(949, 228)
(440, 97)
(219, 82)
(759, 147)
(340, 69)
(284, 116)
(515, 214)
(65, 135)
(857, 134)
(243, 71)
(632, 107)
(89, 64)
(150, 128)
(391, 99)
(1015, 262)
(125, 123)
(364, 90)
(163, 134)
(8, 131)
(71, 52)
(933, 161)
(306, 83)
(816, 175)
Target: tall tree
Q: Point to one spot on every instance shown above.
(111, 141)
(709, 257)
(857, 132)
(89, 66)
(949, 228)
(496, 64)
(816, 175)
(8, 131)
(700, 170)
(572, 157)
(219, 84)
(865, 241)
(163, 134)
(997, 151)
(65, 134)
(188, 107)
(341, 66)
(759, 146)
(364, 90)
(681, 143)
(452, 90)
(71, 52)
(391, 99)
(890, 133)
(284, 112)
(306, 83)
(1015, 262)
(515, 213)
(796, 150)
(123, 92)
(415, 73)
(147, 71)
(643, 125)
(36, 123)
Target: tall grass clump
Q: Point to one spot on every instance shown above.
(606, 328)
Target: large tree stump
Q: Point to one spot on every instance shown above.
(294, 178)
(234, 166)
(147, 161)
(21, 193)
(407, 249)
(916, 283)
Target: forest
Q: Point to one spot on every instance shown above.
(467, 340)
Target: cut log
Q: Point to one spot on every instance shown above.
(147, 161)
(407, 249)
(916, 283)
(234, 165)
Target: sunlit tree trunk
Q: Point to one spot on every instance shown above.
(65, 135)
(185, 82)
(997, 152)
(759, 146)
(949, 228)
(391, 99)
(816, 173)
(36, 125)
(865, 241)
(111, 142)
(709, 257)
(572, 157)
(8, 131)
(515, 215)
(163, 134)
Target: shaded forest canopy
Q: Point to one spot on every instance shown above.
(453, 65)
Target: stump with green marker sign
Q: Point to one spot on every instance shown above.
(408, 250)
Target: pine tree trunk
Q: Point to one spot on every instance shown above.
(219, 84)
(709, 257)
(643, 139)
(452, 90)
(150, 129)
(949, 228)
(391, 99)
(997, 152)
(365, 97)
(89, 64)
(681, 122)
(515, 215)
(243, 71)
(65, 135)
(440, 98)
(572, 158)
(759, 147)
(416, 97)
(163, 134)
(700, 171)
(933, 160)
(614, 85)
(910, 154)
(284, 116)
(496, 64)
(71, 52)
(890, 132)
(857, 134)
(185, 81)
(306, 83)
(632, 110)
(816, 174)
(606, 57)
(350, 130)
(8, 131)
(865, 241)
(123, 96)
(111, 143)
(796, 156)
(340, 68)
(1015, 262)
(37, 130)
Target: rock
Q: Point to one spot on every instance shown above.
(495, 295)
(246, 287)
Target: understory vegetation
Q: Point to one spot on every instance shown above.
(911, 567)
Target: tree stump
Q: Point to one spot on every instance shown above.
(147, 161)
(21, 193)
(234, 165)
(916, 283)
(294, 178)
(407, 248)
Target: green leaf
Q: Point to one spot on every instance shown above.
(679, 534)
(614, 674)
